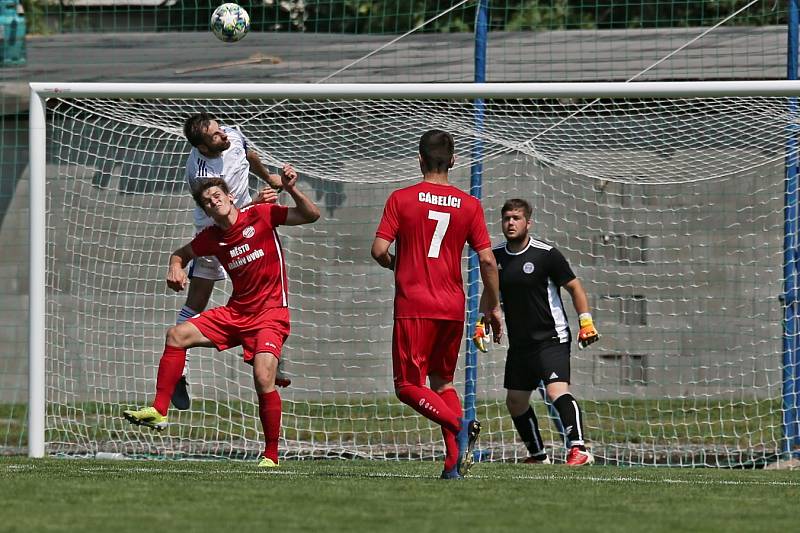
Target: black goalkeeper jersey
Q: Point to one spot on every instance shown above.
(529, 290)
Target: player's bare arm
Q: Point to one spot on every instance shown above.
(588, 333)
(380, 253)
(267, 194)
(258, 168)
(304, 211)
(176, 275)
(491, 292)
(482, 307)
(578, 294)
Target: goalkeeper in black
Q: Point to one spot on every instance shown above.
(531, 275)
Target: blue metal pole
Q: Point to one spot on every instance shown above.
(476, 178)
(791, 368)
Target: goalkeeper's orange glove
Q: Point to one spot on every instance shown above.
(480, 335)
(588, 334)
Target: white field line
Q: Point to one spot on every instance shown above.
(533, 476)
(665, 481)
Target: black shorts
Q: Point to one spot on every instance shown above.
(527, 366)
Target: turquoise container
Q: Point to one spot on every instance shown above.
(12, 33)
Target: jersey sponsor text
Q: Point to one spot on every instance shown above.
(239, 250)
(249, 258)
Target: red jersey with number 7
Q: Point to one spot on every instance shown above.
(430, 224)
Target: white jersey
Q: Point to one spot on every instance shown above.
(231, 165)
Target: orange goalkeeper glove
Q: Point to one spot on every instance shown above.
(480, 335)
(588, 334)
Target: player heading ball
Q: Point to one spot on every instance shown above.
(256, 316)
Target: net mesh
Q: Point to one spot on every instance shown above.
(670, 211)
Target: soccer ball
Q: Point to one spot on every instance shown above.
(230, 22)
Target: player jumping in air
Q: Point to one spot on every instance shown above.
(221, 152)
(531, 273)
(429, 223)
(256, 317)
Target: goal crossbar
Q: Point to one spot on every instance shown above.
(344, 91)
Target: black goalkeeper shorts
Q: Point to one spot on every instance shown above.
(527, 366)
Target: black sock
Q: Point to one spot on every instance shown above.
(528, 429)
(571, 419)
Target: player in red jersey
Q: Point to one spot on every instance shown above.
(256, 316)
(430, 223)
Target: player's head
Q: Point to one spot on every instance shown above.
(516, 219)
(436, 149)
(204, 133)
(214, 197)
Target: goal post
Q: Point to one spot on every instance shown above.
(791, 348)
(37, 299)
(673, 202)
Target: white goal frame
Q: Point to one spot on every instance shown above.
(40, 92)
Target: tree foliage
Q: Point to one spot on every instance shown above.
(397, 16)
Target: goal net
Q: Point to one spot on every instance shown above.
(670, 210)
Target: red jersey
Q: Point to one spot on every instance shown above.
(250, 251)
(431, 223)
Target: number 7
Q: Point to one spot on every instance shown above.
(442, 221)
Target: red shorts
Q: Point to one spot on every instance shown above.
(424, 346)
(256, 333)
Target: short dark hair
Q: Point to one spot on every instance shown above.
(517, 203)
(436, 148)
(197, 192)
(194, 129)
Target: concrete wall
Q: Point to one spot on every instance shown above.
(709, 274)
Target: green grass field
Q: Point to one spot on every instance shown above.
(407, 496)
(649, 422)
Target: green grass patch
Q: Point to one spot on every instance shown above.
(328, 495)
(643, 423)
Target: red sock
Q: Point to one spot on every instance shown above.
(430, 405)
(269, 410)
(170, 369)
(450, 397)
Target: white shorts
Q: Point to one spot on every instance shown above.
(207, 268)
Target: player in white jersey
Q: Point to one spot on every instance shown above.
(217, 151)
